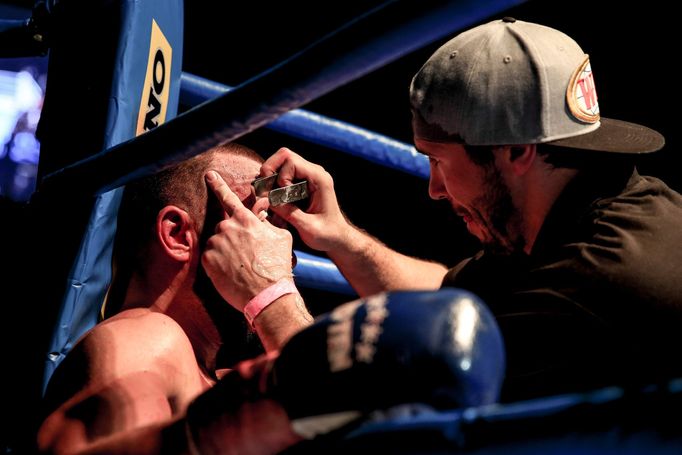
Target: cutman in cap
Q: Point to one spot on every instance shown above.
(581, 255)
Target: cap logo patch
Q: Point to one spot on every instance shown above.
(581, 94)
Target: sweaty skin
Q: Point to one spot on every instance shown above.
(268, 263)
(126, 385)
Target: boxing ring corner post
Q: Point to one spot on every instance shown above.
(113, 95)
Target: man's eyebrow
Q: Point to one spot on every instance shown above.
(421, 151)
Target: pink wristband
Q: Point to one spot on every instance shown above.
(267, 296)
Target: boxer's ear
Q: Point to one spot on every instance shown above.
(174, 230)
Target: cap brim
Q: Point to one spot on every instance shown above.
(616, 136)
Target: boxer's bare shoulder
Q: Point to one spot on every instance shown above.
(134, 369)
(141, 340)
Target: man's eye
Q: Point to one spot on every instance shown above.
(433, 161)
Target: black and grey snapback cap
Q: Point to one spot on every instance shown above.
(513, 82)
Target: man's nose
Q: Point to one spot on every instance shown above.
(436, 187)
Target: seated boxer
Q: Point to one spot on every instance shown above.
(159, 346)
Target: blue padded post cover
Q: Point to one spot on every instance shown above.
(143, 93)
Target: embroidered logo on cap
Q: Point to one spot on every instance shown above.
(581, 94)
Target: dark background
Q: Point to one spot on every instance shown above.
(633, 48)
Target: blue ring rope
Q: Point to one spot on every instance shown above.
(320, 273)
(369, 42)
(321, 130)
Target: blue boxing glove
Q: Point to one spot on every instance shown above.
(439, 348)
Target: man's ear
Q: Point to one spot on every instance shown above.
(517, 158)
(175, 231)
